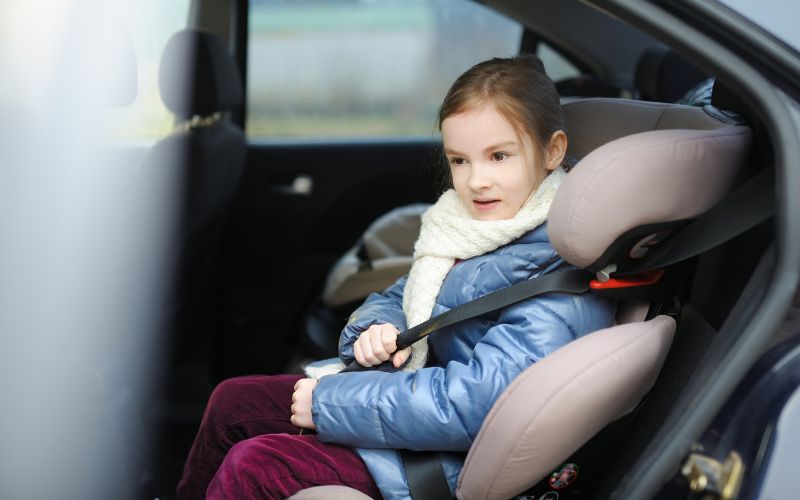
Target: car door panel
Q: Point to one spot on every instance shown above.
(285, 233)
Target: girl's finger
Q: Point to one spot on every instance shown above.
(366, 349)
(377, 345)
(389, 338)
(400, 357)
(359, 354)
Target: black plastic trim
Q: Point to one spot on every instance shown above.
(240, 10)
(619, 251)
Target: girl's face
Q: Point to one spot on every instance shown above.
(491, 175)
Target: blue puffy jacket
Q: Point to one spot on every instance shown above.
(441, 407)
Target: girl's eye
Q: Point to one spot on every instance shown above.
(456, 161)
(499, 156)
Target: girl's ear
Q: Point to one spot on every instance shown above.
(556, 150)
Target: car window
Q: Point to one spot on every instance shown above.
(151, 24)
(352, 69)
(557, 66)
(777, 17)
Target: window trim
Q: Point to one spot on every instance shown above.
(240, 31)
(529, 43)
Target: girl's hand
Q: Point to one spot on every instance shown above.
(301, 404)
(376, 345)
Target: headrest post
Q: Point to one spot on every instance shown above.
(604, 274)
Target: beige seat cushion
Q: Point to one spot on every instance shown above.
(348, 282)
(329, 493)
(581, 387)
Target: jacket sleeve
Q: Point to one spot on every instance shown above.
(442, 408)
(385, 307)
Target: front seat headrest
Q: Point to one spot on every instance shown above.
(198, 76)
(663, 75)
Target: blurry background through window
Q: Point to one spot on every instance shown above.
(151, 24)
(360, 68)
(557, 66)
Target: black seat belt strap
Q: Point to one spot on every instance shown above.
(425, 476)
(569, 281)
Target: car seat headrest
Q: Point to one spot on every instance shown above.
(633, 192)
(197, 75)
(594, 122)
(663, 75)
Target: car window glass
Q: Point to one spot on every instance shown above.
(350, 69)
(151, 24)
(557, 66)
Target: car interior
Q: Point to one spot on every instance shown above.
(279, 239)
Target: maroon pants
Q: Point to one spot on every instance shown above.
(247, 447)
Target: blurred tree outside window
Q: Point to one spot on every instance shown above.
(151, 24)
(363, 68)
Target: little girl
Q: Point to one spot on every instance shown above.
(503, 134)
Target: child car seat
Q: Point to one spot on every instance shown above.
(382, 254)
(644, 170)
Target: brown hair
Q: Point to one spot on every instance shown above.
(519, 89)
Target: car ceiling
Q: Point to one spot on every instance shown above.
(601, 42)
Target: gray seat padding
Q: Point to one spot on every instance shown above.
(559, 403)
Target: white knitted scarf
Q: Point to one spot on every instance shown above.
(448, 233)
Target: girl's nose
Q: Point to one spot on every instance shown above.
(479, 178)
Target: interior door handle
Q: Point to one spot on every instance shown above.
(302, 185)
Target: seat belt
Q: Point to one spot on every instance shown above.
(569, 281)
(425, 475)
(740, 210)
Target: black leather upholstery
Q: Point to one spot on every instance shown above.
(664, 76)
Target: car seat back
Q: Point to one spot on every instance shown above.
(663, 75)
(198, 166)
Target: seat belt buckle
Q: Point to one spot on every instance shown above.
(645, 278)
(656, 285)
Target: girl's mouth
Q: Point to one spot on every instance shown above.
(485, 205)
